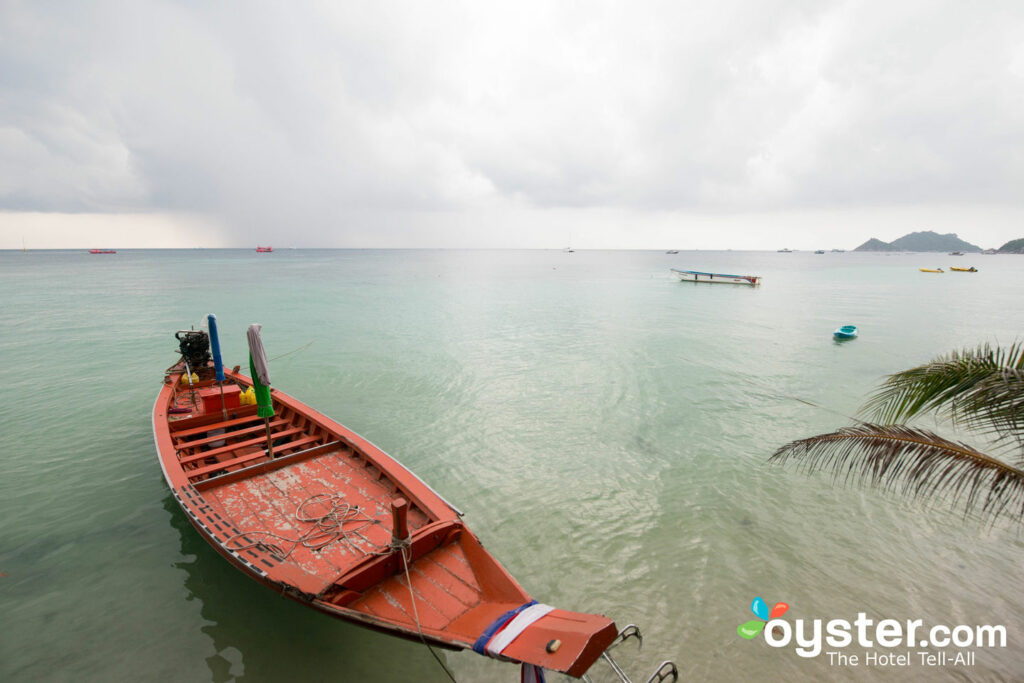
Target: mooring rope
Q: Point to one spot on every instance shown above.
(328, 528)
(403, 546)
(288, 353)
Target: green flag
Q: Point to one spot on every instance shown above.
(264, 406)
(260, 372)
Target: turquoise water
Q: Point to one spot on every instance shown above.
(604, 427)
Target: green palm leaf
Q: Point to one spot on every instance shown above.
(981, 389)
(914, 462)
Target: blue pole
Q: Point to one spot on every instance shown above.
(215, 347)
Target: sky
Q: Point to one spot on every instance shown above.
(678, 124)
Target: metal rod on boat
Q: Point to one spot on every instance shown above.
(270, 441)
(218, 364)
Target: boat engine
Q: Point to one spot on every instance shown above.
(195, 348)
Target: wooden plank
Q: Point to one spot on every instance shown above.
(200, 471)
(261, 493)
(364, 482)
(252, 512)
(209, 422)
(390, 600)
(296, 443)
(263, 467)
(434, 593)
(245, 458)
(362, 535)
(372, 537)
(381, 488)
(226, 435)
(259, 441)
(455, 586)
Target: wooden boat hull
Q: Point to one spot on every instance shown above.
(963, 270)
(436, 583)
(931, 270)
(716, 278)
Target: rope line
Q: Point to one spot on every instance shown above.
(301, 348)
(328, 528)
(404, 547)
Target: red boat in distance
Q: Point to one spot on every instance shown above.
(264, 250)
(102, 251)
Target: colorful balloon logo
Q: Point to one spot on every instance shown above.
(760, 609)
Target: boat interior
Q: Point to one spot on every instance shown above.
(347, 562)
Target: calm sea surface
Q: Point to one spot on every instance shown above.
(604, 427)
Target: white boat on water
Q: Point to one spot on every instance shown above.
(697, 276)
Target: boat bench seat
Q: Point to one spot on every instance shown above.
(214, 452)
(188, 427)
(248, 457)
(182, 445)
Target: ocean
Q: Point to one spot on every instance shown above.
(605, 428)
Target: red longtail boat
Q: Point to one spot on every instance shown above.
(264, 250)
(314, 511)
(102, 251)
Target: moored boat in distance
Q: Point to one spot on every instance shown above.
(956, 253)
(698, 276)
(102, 251)
(319, 514)
(819, 251)
(931, 270)
(972, 269)
(672, 251)
(785, 251)
(264, 250)
(846, 332)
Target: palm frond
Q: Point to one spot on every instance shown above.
(914, 462)
(981, 389)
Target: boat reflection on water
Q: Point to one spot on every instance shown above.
(257, 636)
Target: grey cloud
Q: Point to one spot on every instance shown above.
(270, 115)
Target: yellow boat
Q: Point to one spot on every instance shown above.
(932, 270)
(972, 269)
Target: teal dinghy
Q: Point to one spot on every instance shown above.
(846, 332)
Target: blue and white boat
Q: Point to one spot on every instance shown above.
(698, 276)
(846, 332)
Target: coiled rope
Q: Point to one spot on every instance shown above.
(328, 528)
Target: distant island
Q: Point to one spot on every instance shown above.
(1012, 247)
(921, 241)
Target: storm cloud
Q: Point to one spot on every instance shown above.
(335, 124)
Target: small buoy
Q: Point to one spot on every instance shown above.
(554, 645)
(185, 378)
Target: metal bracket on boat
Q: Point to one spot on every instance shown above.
(667, 670)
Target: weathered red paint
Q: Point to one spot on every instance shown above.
(236, 496)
